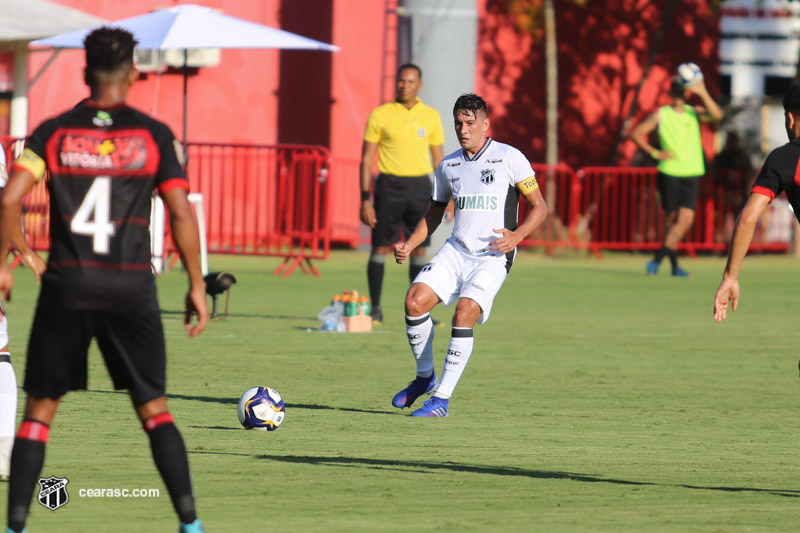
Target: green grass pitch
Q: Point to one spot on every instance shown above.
(597, 399)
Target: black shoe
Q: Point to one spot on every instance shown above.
(377, 315)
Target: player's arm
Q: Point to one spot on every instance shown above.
(425, 227)
(709, 111)
(743, 231)
(641, 133)
(187, 240)
(533, 195)
(437, 153)
(19, 184)
(368, 151)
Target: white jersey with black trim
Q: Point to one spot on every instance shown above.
(3, 167)
(484, 190)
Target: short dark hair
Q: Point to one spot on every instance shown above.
(471, 103)
(791, 101)
(676, 87)
(108, 49)
(406, 66)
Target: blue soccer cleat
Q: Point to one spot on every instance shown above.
(9, 530)
(680, 273)
(194, 527)
(415, 389)
(435, 407)
(652, 268)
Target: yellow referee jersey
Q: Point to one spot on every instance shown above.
(404, 137)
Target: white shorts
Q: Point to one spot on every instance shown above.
(453, 274)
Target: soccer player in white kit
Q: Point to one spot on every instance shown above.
(8, 380)
(484, 179)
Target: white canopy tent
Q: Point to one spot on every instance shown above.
(23, 21)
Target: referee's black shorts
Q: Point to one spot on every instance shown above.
(677, 192)
(400, 203)
(132, 344)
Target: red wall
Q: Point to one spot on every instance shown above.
(235, 102)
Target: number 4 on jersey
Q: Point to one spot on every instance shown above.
(92, 217)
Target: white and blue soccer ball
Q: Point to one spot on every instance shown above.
(690, 74)
(261, 408)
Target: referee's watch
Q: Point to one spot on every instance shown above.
(364, 196)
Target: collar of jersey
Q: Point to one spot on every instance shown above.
(91, 103)
(417, 100)
(477, 156)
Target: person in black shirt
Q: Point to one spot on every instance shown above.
(105, 160)
(779, 174)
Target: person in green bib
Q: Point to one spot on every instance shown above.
(680, 162)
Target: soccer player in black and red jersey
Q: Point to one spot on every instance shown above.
(780, 173)
(105, 160)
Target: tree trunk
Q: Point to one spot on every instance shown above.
(551, 76)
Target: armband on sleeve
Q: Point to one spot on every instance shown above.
(528, 185)
(31, 162)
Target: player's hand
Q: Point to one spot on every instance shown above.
(401, 252)
(728, 292)
(664, 155)
(6, 282)
(698, 88)
(196, 304)
(33, 261)
(368, 214)
(506, 243)
(449, 212)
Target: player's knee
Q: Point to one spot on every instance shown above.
(150, 408)
(686, 218)
(417, 301)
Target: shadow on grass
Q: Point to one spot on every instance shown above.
(235, 401)
(167, 313)
(428, 467)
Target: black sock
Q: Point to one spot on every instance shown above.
(169, 454)
(660, 254)
(673, 258)
(27, 460)
(375, 281)
(413, 270)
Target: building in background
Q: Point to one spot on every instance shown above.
(758, 54)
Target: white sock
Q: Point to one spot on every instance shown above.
(420, 337)
(8, 407)
(458, 354)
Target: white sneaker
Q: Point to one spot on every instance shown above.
(5, 466)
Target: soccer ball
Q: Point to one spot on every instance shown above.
(690, 74)
(261, 408)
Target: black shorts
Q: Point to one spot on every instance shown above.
(677, 192)
(132, 344)
(400, 203)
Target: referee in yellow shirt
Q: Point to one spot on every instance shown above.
(405, 133)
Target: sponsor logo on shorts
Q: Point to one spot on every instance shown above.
(427, 267)
(487, 176)
(53, 492)
(477, 202)
(476, 286)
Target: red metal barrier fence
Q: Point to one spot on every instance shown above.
(264, 200)
(287, 201)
